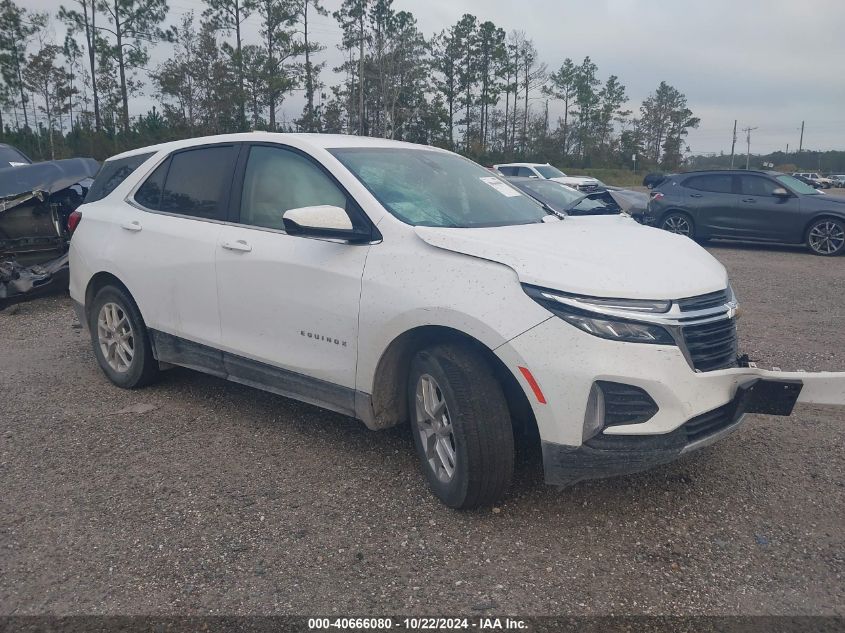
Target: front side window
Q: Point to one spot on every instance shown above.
(112, 173)
(547, 171)
(716, 183)
(277, 180)
(194, 182)
(431, 188)
(757, 186)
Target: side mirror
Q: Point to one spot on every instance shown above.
(781, 192)
(324, 221)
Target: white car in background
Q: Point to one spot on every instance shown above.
(827, 183)
(398, 283)
(547, 172)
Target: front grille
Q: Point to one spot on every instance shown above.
(709, 423)
(703, 302)
(713, 345)
(626, 404)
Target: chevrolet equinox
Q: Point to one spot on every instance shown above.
(398, 283)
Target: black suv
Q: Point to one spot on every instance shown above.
(758, 206)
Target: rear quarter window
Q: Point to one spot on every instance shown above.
(112, 173)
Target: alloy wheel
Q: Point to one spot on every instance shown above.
(826, 237)
(434, 426)
(677, 224)
(116, 337)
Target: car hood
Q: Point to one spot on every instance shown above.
(601, 256)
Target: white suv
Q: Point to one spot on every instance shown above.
(395, 282)
(544, 171)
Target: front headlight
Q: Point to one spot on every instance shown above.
(576, 311)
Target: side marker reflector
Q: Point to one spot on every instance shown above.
(538, 393)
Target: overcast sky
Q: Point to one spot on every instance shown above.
(767, 63)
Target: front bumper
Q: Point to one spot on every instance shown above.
(610, 455)
(20, 283)
(693, 408)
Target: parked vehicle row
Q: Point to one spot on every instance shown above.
(815, 179)
(400, 283)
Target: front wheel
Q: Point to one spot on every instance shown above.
(678, 223)
(826, 236)
(461, 426)
(120, 339)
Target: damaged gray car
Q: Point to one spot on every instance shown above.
(37, 201)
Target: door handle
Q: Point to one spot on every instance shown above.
(240, 246)
(695, 195)
(751, 200)
(134, 225)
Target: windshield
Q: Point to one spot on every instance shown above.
(11, 156)
(796, 185)
(547, 171)
(554, 194)
(431, 188)
(593, 207)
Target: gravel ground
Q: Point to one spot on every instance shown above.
(200, 496)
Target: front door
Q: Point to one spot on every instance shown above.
(763, 215)
(287, 301)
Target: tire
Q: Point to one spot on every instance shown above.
(473, 420)
(674, 221)
(826, 237)
(116, 330)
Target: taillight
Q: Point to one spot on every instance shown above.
(73, 221)
(656, 195)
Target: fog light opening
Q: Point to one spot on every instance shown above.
(594, 415)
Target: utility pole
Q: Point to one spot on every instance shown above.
(733, 145)
(801, 142)
(748, 131)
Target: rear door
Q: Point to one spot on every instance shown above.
(711, 200)
(763, 215)
(168, 238)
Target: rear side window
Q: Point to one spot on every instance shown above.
(193, 182)
(526, 172)
(716, 183)
(507, 171)
(112, 173)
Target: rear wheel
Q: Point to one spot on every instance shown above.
(826, 236)
(461, 426)
(120, 339)
(678, 223)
